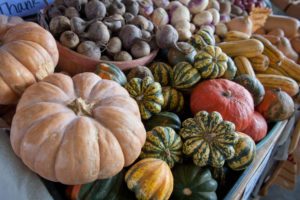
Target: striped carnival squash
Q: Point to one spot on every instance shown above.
(253, 85)
(173, 99)
(244, 155)
(193, 182)
(113, 188)
(148, 95)
(163, 119)
(202, 39)
(184, 76)
(208, 139)
(231, 69)
(150, 178)
(211, 62)
(163, 143)
(161, 72)
(110, 71)
(277, 105)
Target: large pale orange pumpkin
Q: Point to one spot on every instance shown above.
(76, 130)
(28, 53)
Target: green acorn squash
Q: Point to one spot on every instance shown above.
(208, 139)
(231, 69)
(186, 54)
(148, 95)
(202, 39)
(163, 119)
(211, 62)
(110, 71)
(193, 182)
(163, 143)
(161, 72)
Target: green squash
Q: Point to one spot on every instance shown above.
(245, 150)
(110, 71)
(163, 143)
(202, 39)
(173, 100)
(148, 95)
(208, 139)
(211, 62)
(253, 85)
(231, 69)
(113, 188)
(161, 72)
(193, 182)
(163, 119)
(175, 56)
(184, 76)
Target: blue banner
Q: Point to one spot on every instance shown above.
(22, 8)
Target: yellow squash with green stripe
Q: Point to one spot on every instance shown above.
(163, 143)
(161, 72)
(245, 151)
(208, 139)
(211, 62)
(173, 99)
(202, 39)
(150, 178)
(110, 71)
(148, 95)
(184, 76)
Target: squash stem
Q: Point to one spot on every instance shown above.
(227, 93)
(166, 152)
(187, 191)
(81, 107)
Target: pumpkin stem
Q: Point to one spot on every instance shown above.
(139, 98)
(187, 191)
(81, 107)
(166, 153)
(227, 93)
(209, 137)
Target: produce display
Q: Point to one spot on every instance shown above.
(180, 126)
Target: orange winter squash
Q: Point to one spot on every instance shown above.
(230, 99)
(257, 128)
(28, 53)
(76, 130)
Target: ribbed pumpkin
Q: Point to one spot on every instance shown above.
(173, 99)
(163, 119)
(150, 178)
(193, 182)
(257, 128)
(161, 72)
(28, 53)
(230, 99)
(184, 76)
(202, 39)
(148, 95)
(277, 105)
(253, 85)
(69, 129)
(113, 188)
(163, 143)
(245, 151)
(110, 71)
(211, 62)
(208, 139)
(231, 70)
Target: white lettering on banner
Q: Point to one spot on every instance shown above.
(21, 7)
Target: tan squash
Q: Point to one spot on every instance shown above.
(235, 36)
(76, 130)
(288, 24)
(28, 53)
(241, 23)
(284, 45)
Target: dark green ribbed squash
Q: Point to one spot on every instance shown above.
(110, 71)
(193, 182)
(202, 39)
(253, 85)
(163, 143)
(113, 188)
(211, 62)
(208, 139)
(161, 72)
(184, 76)
(245, 151)
(173, 100)
(231, 70)
(186, 54)
(148, 95)
(163, 119)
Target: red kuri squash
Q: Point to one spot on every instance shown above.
(257, 128)
(231, 100)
